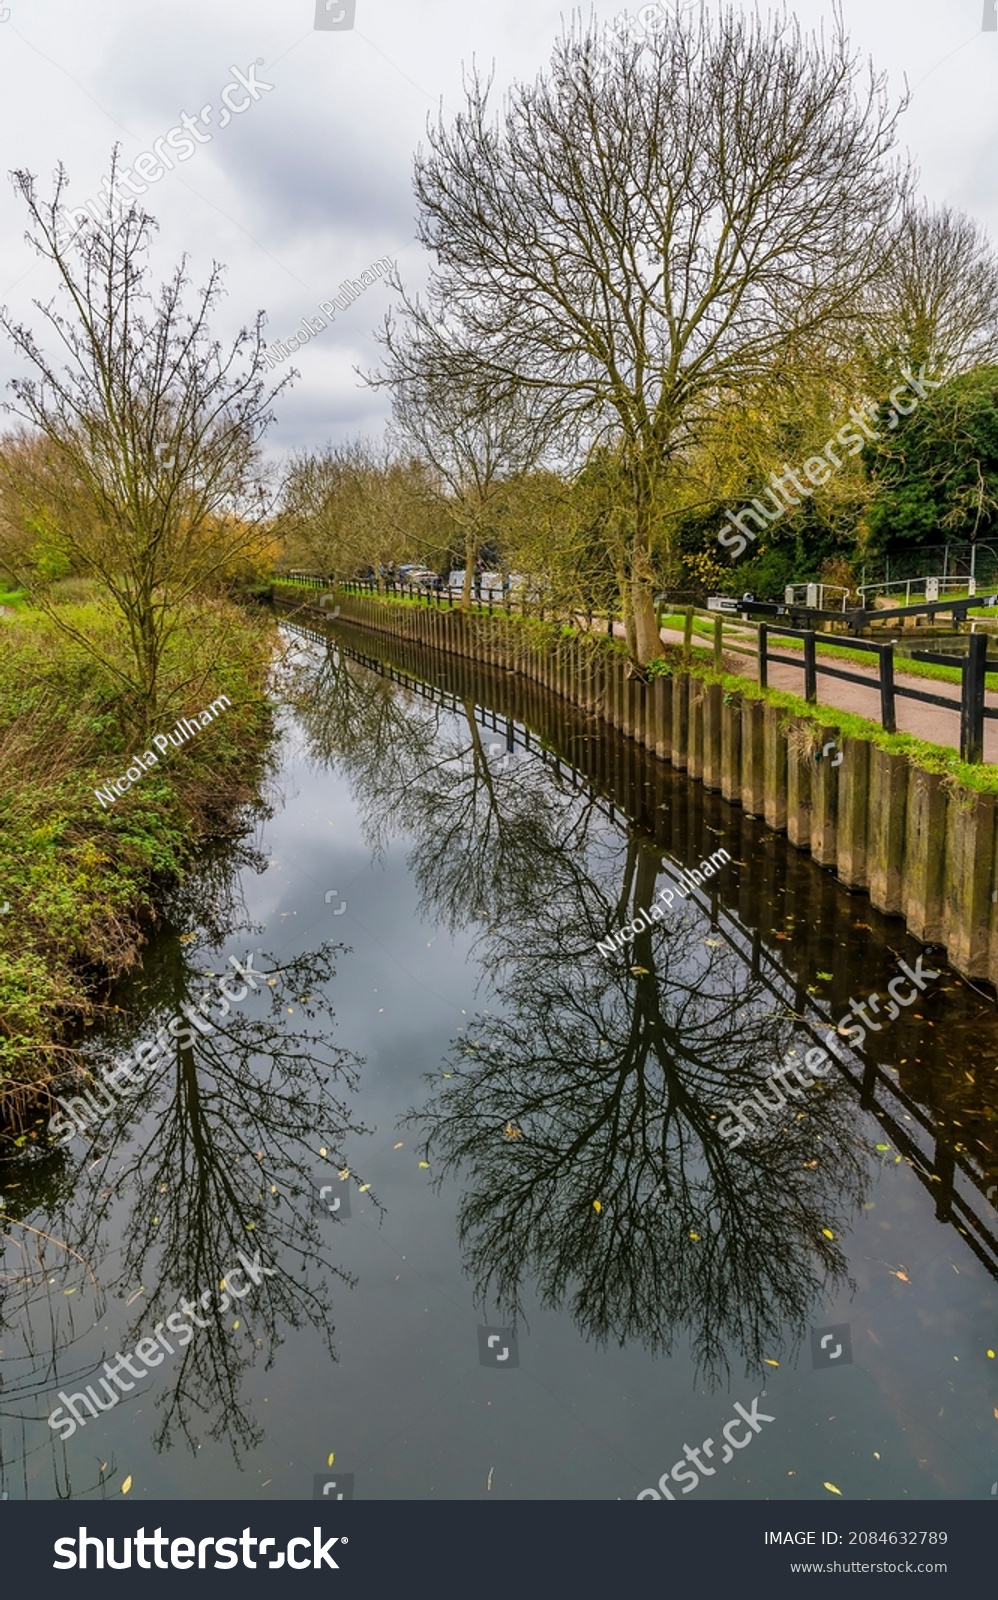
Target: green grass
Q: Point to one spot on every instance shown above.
(981, 779)
(82, 881)
(836, 652)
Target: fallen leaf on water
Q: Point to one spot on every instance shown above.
(597, 1205)
(235, 1325)
(69, 1291)
(135, 1296)
(344, 1172)
(828, 1233)
(330, 1458)
(876, 1455)
(991, 1355)
(883, 1146)
(832, 1488)
(695, 1237)
(424, 1163)
(641, 972)
(397, 1146)
(770, 1363)
(902, 1275)
(826, 977)
(127, 1484)
(363, 1188)
(512, 1131)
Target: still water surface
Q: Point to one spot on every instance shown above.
(530, 1135)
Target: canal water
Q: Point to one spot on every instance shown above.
(441, 1206)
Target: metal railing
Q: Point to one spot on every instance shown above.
(933, 587)
(813, 595)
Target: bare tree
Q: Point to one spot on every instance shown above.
(655, 225)
(357, 505)
(149, 482)
(476, 434)
(938, 303)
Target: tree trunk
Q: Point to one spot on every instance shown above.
(648, 642)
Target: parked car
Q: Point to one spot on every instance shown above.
(417, 575)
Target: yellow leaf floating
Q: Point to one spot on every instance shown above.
(770, 1363)
(991, 1355)
(831, 1487)
(828, 1233)
(330, 1458)
(322, 1150)
(424, 1164)
(597, 1205)
(695, 1237)
(127, 1484)
(394, 1147)
(344, 1172)
(363, 1188)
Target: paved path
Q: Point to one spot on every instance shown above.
(925, 722)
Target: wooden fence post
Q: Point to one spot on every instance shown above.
(972, 699)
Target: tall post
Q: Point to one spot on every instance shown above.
(688, 633)
(972, 701)
(887, 712)
(810, 668)
(718, 642)
(763, 662)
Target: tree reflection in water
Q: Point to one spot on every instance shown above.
(217, 1153)
(582, 1120)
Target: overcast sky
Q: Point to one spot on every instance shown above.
(311, 182)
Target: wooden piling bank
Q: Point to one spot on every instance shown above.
(922, 846)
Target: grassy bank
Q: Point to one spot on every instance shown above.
(81, 881)
(919, 752)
